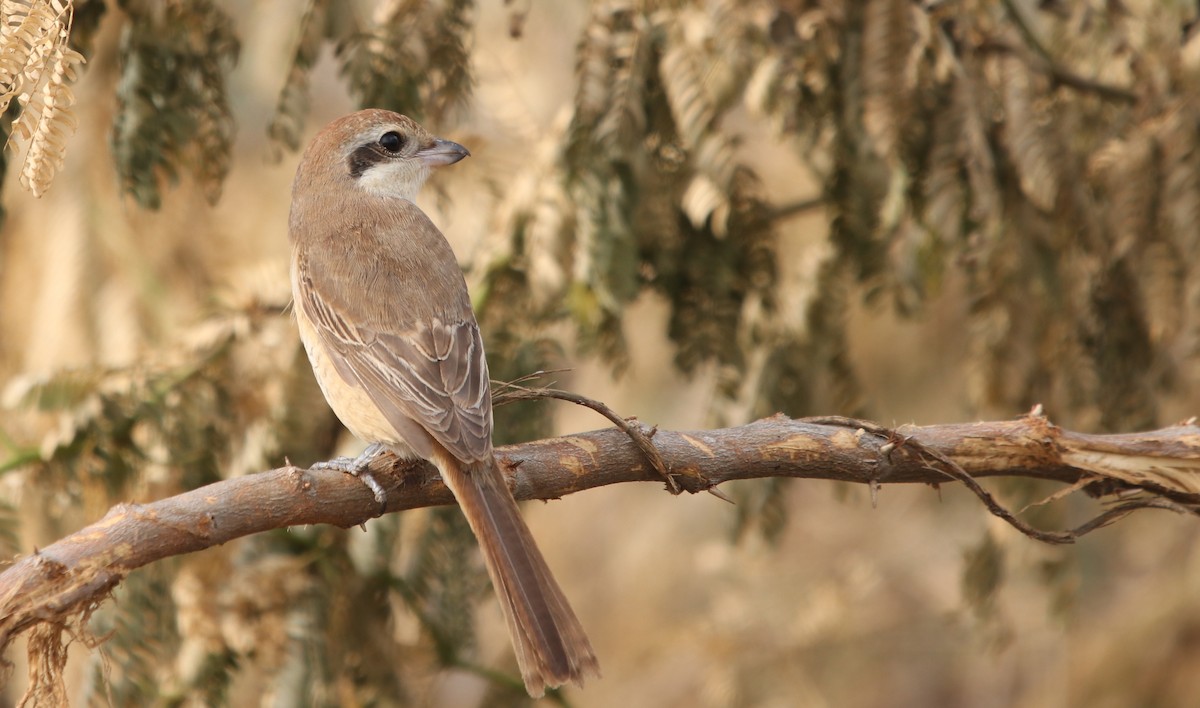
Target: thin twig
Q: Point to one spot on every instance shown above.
(948, 467)
(1128, 507)
(954, 471)
(501, 390)
(512, 391)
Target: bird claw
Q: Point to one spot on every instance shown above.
(360, 467)
(376, 488)
(349, 465)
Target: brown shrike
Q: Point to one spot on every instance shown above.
(387, 323)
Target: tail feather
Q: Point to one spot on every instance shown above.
(549, 642)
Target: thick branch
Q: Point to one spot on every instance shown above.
(78, 571)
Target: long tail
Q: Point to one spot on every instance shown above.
(550, 644)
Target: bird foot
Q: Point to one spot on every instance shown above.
(360, 467)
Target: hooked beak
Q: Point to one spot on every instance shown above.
(442, 152)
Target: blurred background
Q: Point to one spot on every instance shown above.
(706, 212)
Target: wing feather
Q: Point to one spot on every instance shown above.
(434, 373)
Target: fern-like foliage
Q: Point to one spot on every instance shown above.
(413, 58)
(604, 158)
(1022, 148)
(444, 582)
(142, 632)
(988, 137)
(172, 103)
(645, 191)
(288, 120)
(10, 544)
(36, 67)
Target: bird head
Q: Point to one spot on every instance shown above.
(380, 152)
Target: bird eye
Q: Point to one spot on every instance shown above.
(391, 141)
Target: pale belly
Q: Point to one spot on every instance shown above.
(350, 403)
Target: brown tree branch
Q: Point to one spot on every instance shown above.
(1159, 469)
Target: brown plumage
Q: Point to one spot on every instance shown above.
(386, 320)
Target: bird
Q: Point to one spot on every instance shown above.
(385, 317)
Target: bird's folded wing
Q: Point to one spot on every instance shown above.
(433, 373)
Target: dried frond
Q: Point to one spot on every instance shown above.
(974, 103)
(605, 154)
(449, 579)
(288, 120)
(592, 63)
(36, 66)
(1033, 152)
(1118, 341)
(763, 88)
(888, 76)
(807, 371)
(694, 192)
(684, 72)
(214, 121)
(415, 59)
(1160, 271)
(792, 82)
(703, 56)
(944, 185)
(915, 263)
(605, 256)
(762, 506)
(187, 415)
(983, 575)
(1133, 174)
(244, 607)
(707, 195)
(141, 630)
(1180, 164)
(611, 70)
(49, 111)
(710, 287)
(27, 34)
(10, 531)
(1129, 170)
(1171, 278)
(536, 227)
(47, 661)
(622, 118)
(172, 104)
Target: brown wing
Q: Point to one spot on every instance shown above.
(426, 371)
